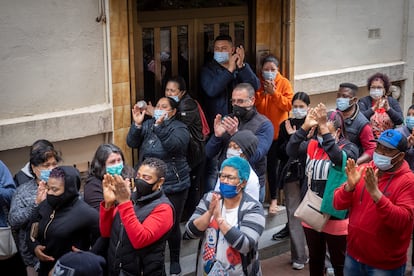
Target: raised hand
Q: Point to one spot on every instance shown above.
(149, 110)
(230, 124)
(219, 129)
(353, 174)
(215, 200)
(269, 86)
(41, 192)
(233, 59)
(371, 183)
(289, 129)
(161, 119)
(241, 54)
(122, 189)
(138, 115)
(385, 104)
(310, 120)
(321, 114)
(108, 187)
(371, 179)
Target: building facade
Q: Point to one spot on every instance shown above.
(72, 70)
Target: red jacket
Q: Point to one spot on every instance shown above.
(140, 234)
(379, 233)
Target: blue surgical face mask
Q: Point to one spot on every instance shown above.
(299, 113)
(409, 122)
(382, 162)
(175, 98)
(115, 169)
(44, 175)
(228, 191)
(221, 57)
(375, 93)
(233, 152)
(269, 75)
(343, 103)
(158, 113)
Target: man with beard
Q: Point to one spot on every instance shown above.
(244, 117)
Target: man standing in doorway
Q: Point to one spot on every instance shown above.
(218, 78)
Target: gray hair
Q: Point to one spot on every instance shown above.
(245, 86)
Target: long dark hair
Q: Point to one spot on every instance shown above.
(301, 96)
(98, 167)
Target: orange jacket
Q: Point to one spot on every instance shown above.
(276, 107)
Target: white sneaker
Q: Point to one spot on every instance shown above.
(298, 266)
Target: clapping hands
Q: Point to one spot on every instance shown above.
(115, 188)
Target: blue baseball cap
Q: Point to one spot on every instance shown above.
(393, 139)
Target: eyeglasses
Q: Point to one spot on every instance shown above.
(239, 101)
(377, 87)
(230, 178)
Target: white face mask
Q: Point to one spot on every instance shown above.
(299, 113)
(233, 152)
(384, 163)
(376, 93)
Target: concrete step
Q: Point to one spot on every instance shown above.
(267, 247)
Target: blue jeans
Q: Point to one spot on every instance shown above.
(355, 268)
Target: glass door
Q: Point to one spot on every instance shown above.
(179, 42)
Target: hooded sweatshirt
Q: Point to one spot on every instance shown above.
(71, 223)
(379, 233)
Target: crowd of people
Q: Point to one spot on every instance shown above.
(263, 138)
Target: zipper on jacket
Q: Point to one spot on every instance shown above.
(118, 244)
(52, 216)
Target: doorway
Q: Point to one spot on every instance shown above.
(179, 41)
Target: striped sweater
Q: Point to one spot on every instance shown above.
(242, 238)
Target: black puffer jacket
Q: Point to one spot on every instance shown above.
(168, 142)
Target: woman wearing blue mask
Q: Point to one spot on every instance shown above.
(109, 159)
(291, 174)
(230, 224)
(274, 100)
(188, 112)
(43, 158)
(166, 138)
(321, 154)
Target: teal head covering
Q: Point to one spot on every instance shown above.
(240, 164)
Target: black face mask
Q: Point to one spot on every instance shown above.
(239, 111)
(143, 187)
(53, 200)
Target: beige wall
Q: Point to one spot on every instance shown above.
(53, 74)
(333, 44)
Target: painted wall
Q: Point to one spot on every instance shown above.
(51, 56)
(348, 41)
(53, 82)
(332, 35)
